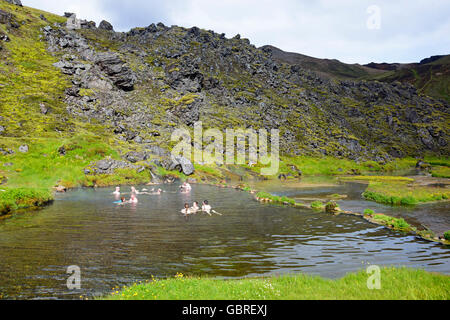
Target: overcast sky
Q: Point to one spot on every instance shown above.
(353, 31)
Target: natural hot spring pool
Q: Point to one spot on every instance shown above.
(118, 245)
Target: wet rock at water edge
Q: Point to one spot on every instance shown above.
(60, 189)
(421, 165)
(157, 151)
(332, 207)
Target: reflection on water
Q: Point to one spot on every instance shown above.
(118, 245)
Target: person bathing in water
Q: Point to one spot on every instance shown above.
(117, 192)
(133, 198)
(122, 201)
(186, 211)
(185, 187)
(195, 208)
(207, 208)
(134, 191)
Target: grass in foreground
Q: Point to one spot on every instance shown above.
(396, 284)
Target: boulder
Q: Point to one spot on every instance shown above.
(60, 189)
(62, 151)
(108, 166)
(421, 165)
(332, 207)
(44, 109)
(87, 24)
(4, 37)
(72, 22)
(105, 25)
(186, 165)
(23, 149)
(157, 151)
(122, 76)
(5, 17)
(134, 156)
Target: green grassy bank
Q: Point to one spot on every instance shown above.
(396, 284)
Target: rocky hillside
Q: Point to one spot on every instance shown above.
(430, 76)
(61, 75)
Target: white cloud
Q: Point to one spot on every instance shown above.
(89, 10)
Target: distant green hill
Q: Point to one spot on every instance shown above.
(325, 67)
(430, 76)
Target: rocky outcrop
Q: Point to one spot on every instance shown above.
(186, 165)
(8, 19)
(73, 23)
(15, 2)
(115, 68)
(187, 75)
(108, 166)
(105, 25)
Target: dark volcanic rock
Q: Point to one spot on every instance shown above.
(157, 151)
(134, 156)
(16, 2)
(108, 166)
(115, 68)
(44, 108)
(186, 75)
